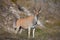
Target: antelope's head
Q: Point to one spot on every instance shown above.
(36, 11)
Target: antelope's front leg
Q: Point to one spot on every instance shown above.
(33, 32)
(29, 32)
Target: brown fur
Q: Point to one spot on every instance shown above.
(25, 22)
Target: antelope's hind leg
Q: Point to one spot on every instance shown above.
(17, 29)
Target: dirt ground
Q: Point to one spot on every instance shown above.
(39, 35)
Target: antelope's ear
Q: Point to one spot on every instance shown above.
(39, 11)
(34, 10)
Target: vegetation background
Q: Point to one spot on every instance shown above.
(50, 17)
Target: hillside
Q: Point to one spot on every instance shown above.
(49, 17)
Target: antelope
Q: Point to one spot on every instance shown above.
(28, 23)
